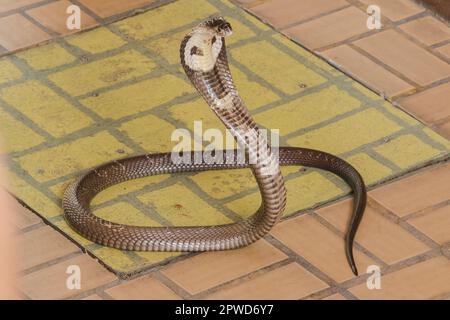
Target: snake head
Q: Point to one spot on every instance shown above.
(218, 26)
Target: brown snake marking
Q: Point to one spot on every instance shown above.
(204, 59)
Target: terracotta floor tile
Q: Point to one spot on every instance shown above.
(405, 57)
(107, 8)
(423, 280)
(282, 13)
(330, 29)
(396, 9)
(93, 297)
(7, 5)
(210, 269)
(385, 239)
(17, 32)
(21, 217)
(320, 246)
(41, 245)
(336, 296)
(430, 105)
(367, 71)
(428, 30)
(247, 1)
(435, 224)
(425, 188)
(444, 50)
(288, 282)
(54, 17)
(444, 129)
(145, 288)
(50, 283)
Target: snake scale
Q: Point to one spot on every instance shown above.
(204, 59)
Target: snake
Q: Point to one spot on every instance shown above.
(204, 59)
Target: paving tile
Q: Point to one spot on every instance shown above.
(367, 126)
(44, 106)
(246, 1)
(42, 245)
(300, 53)
(282, 13)
(88, 41)
(8, 5)
(51, 283)
(22, 217)
(444, 128)
(329, 29)
(428, 30)
(17, 32)
(34, 198)
(430, 105)
(308, 110)
(427, 188)
(38, 59)
(302, 192)
(287, 74)
(444, 50)
(254, 94)
(210, 269)
(101, 147)
(387, 240)
(119, 189)
(288, 282)
(396, 10)
(150, 132)
(407, 151)
(435, 224)
(184, 209)
(134, 217)
(54, 17)
(155, 22)
(93, 297)
(88, 77)
(143, 288)
(336, 296)
(367, 71)
(405, 57)
(222, 184)
(370, 169)
(197, 110)
(107, 8)
(137, 97)
(320, 246)
(8, 71)
(16, 135)
(125, 262)
(423, 280)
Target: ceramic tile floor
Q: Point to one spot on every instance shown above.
(406, 227)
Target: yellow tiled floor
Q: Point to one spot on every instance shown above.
(91, 104)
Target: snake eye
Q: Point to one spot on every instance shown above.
(224, 29)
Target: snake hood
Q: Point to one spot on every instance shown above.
(201, 47)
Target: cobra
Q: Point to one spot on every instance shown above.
(204, 59)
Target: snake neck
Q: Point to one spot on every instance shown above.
(204, 59)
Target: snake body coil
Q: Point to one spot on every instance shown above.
(204, 59)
